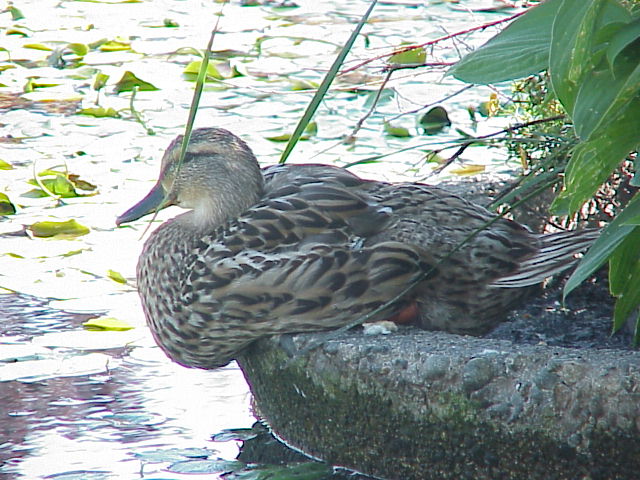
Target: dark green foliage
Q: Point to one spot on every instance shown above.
(591, 51)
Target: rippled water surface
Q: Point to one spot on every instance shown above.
(91, 410)
(87, 404)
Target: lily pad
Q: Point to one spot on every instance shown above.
(435, 120)
(100, 81)
(116, 276)
(115, 46)
(300, 85)
(6, 207)
(107, 323)
(47, 229)
(5, 165)
(310, 130)
(63, 184)
(16, 14)
(215, 71)
(99, 112)
(415, 56)
(129, 81)
(59, 186)
(38, 46)
(393, 131)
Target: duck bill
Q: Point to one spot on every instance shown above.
(155, 200)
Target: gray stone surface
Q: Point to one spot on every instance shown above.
(421, 405)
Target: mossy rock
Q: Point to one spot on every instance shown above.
(420, 405)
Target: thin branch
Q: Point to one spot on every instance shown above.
(433, 42)
(470, 142)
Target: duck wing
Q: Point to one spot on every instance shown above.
(294, 262)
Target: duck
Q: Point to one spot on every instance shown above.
(295, 248)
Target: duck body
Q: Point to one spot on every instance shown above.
(300, 248)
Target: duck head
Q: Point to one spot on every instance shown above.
(218, 179)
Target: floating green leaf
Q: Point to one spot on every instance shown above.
(285, 137)
(80, 49)
(116, 276)
(6, 207)
(59, 185)
(298, 85)
(100, 81)
(215, 71)
(435, 120)
(38, 46)
(415, 56)
(470, 169)
(33, 84)
(63, 184)
(5, 165)
(70, 228)
(107, 323)
(72, 253)
(99, 112)
(400, 132)
(16, 14)
(16, 31)
(379, 97)
(310, 130)
(129, 81)
(81, 184)
(114, 46)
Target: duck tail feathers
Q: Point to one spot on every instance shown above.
(558, 252)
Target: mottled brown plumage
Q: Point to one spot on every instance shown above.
(297, 248)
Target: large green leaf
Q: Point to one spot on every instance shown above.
(593, 160)
(623, 38)
(604, 94)
(609, 239)
(571, 49)
(602, 97)
(520, 50)
(624, 277)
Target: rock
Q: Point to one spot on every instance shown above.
(417, 405)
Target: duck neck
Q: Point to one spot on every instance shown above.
(214, 210)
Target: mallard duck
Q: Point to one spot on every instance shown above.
(301, 248)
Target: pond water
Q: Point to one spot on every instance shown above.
(77, 403)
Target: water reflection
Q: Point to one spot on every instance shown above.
(95, 423)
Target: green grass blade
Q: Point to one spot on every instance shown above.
(324, 86)
(197, 93)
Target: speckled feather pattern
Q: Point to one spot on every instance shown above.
(313, 247)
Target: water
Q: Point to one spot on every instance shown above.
(134, 400)
(88, 402)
